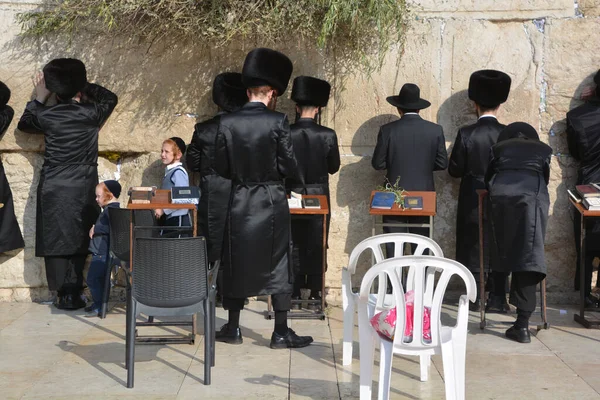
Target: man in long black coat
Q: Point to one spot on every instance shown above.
(517, 180)
(66, 205)
(583, 138)
(410, 148)
(318, 155)
(254, 150)
(10, 232)
(229, 95)
(469, 161)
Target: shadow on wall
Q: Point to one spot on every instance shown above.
(560, 222)
(355, 183)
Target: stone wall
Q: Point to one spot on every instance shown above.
(549, 47)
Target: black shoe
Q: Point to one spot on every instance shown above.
(315, 306)
(475, 306)
(289, 341)
(591, 302)
(89, 308)
(496, 304)
(70, 302)
(520, 335)
(231, 337)
(246, 301)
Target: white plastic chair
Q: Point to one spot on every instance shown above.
(350, 299)
(450, 341)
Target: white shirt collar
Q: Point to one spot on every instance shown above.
(487, 116)
(175, 164)
(411, 113)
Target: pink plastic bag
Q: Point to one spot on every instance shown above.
(385, 322)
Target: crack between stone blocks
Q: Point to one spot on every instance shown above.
(441, 54)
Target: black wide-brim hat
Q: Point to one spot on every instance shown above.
(4, 94)
(518, 130)
(309, 91)
(409, 98)
(266, 67)
(489, 87)
(65, 77)
(229, 92)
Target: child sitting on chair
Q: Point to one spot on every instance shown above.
(106, 197)
(172, 151)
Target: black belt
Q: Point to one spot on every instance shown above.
(49, 164)
(265, 183)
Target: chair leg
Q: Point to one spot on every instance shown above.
(348, 331)
(425, 362)
(127, 327)
(367, 353)
(385, 369)
(208, 328)
(131, 343)
(213, 332)
(460, 353)
(106, 292)
(449, 370)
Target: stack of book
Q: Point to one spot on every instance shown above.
(141, 194)
(590, 196)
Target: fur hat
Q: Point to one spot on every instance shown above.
(409, 98)
(4, 94)
(267, 67)
(489, 88)
(65, 77)
(180, 143)
(518, 130)
(310, 91)
(228, 91)
(114, 187)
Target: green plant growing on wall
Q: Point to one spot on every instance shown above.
(395, 188)
(359, 30)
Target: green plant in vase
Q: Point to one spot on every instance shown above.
(395, 188)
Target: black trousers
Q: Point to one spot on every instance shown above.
(65, 273)
(523, 287)
(181, 221)
(281, 302)
(389, 247)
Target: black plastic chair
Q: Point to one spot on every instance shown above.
(118, 245)
(170, 277)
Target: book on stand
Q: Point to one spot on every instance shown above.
(185, 195)
(141, 194)
(311, 203)
(413, 202)
(586, 191)
(383, 200)
(591, 203)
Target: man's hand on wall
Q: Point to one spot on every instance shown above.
(41, 92)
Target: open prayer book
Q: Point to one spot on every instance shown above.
(295, 200)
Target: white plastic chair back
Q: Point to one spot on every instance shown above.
(379, 300)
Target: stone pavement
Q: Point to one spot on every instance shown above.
(50, 354)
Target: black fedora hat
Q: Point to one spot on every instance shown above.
(228, 91)
(4, 94)
(409, 98)
(266, 67)
(309, 91)
(489, 88)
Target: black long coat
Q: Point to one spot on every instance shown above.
(10, 232)
(583, 138)
(66, 205)
(254, 149)
(469, 161)
(214, 189)
(318, 155)
(411, 148)
(517, 180)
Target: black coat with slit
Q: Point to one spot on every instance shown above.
(318, 155)
(517, 181)
(10, 232)
(214, 189)
(254, 150)
(469, 161)
(66, 199)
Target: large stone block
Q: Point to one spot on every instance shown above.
(360, 101)
(490, 9)
(589, 8)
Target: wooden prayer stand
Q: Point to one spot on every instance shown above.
(307, 314)
(161, 200)
(580, 318)
(482, 193)
(429, 210)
